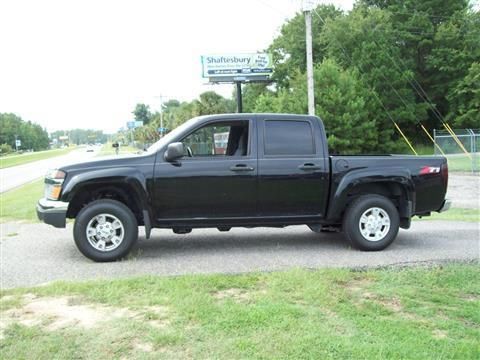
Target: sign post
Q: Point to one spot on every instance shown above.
(237, 69)
(239, 97)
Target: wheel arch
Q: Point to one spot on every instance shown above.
(396, 185)
(125, 185)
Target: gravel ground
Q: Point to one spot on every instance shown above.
(33, 254)
(464, 190)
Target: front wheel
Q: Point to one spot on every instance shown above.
(105, 230)
(371, 222)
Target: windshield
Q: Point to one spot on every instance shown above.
(167, 139)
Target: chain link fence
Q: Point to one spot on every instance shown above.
(464, 157)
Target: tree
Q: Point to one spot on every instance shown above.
(465, 100)
(288, 49)
(32, 135)
(365, 40)
(342, 103)
(437, 40)
(210, 102)
(142, 113)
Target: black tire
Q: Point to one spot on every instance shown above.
(352, 223)
(116, 210)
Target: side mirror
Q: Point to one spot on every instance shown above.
(174, 151)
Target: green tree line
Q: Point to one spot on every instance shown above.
(12, 127)
(81, 136)
(175, 113)
(412, 62)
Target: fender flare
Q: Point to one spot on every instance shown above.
(129, 176)
(396, 175)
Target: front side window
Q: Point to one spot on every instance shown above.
(286, 137)
(218, 140)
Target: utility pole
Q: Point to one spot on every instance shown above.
(307, 9)
(161, 115)
(239, 97)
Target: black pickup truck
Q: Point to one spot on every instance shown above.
(247, 170)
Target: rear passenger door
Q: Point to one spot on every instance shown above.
(292, 167)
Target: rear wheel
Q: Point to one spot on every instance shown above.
(105, 230)
(371, 222)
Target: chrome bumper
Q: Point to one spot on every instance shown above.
(445, 206)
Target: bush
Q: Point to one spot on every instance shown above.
(5, 149)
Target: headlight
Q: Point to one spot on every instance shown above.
(53, 184)
(55, 174)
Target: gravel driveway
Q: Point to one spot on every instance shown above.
(464, 190)
(33, 254)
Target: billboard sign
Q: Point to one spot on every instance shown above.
(134, 124)
(237, 67)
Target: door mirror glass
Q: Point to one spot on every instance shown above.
(174, 151)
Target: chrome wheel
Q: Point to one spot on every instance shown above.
(374, 224)
(105, 232)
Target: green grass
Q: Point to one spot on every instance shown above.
(107, 149)
(14, 160)
(462, 163)
(20, 203)
(395, 313)
(455, 214)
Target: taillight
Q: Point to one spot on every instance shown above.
(445, 174)
(430, 170)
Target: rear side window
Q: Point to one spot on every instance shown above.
(288, 138)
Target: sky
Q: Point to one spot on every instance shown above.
(68, 64)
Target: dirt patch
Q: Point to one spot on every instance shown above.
(470, 297)
(240, 295)
(392, 304)
(142, 346)
(54, 313)
(439, 334)
(357, 285)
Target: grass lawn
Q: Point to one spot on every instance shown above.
(107, 149)
(395, 313)
(20, 203)
(462, 163)
(454, 214)
(14, 160)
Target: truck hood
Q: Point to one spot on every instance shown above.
(109, 161)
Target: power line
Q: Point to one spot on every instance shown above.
(373, 91)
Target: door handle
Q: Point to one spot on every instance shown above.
(309, 166)
(241, 167)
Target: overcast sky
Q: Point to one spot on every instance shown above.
(67, 64)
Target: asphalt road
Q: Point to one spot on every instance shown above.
(15, 176)
(33, 254)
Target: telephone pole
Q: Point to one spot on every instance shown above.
(161, 115)
(307, 9)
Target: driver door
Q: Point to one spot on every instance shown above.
(216, 178)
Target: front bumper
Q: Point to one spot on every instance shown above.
(445, 206)
(52, 212)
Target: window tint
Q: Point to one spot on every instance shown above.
(288, 138)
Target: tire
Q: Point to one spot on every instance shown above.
(371, 223)
(112, 227)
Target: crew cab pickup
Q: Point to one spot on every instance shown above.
(242, 170)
